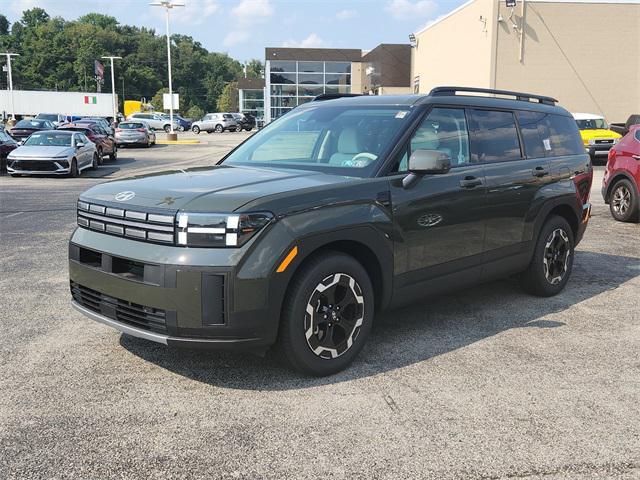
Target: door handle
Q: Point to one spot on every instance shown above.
(470, 182)
(637, 157)
(540, 172)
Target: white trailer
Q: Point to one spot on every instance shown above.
(32, 102)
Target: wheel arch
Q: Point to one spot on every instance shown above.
(619, 175)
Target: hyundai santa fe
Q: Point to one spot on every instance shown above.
(339, 209)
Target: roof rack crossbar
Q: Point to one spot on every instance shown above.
(525, 97)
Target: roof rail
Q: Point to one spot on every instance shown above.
(525, 97)
(332, 96)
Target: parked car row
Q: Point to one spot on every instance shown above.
(224, 122)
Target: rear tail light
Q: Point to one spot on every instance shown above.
(141, 129)
(118, 129)
(612, 155)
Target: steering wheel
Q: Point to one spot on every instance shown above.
(360, 160)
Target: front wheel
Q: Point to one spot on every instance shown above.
(195, 129)
(218, 129)
(74, 172)
(113, 156)
(181, 128)
(552, 261)
(100, 157)
(94, 161)
(623, 202)
(328, 314)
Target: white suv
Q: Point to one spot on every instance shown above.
(215, 122)
(155, 121)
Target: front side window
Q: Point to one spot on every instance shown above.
(345, 140)
(443, 129)
(496, 136)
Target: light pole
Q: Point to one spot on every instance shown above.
(168, 5)
(113, 88)
(9, 55)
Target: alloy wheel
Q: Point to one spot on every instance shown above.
(556, 256)
(334, 315)
(621, 200)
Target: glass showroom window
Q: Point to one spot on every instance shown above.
(293, 83)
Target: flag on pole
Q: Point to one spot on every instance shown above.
(98, 69)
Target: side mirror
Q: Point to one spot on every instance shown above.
(79, 144)
(426, 162)
(21, 142)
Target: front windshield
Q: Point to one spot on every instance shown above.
(49, 139)
(33, 123)
(345, 140)
(592, 124)
(48, 116)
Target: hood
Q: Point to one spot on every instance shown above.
(598, 133)
(28, 151)
(215, 189)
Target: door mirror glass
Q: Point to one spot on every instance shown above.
(79, 144)
(429, 162)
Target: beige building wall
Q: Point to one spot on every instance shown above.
(395, 90)
(356, 77)
(584, 54)
(456, 50)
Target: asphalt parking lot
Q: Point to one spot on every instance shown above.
(483, 383)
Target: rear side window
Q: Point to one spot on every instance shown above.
(637, 134)
(564, 136)
(533, 131)
(549, 135)
(496, 136)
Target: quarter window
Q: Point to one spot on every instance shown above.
(549, 135)
(638, 134)
(496, 136)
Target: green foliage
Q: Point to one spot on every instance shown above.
(228, 100)
(195, 113)
(57, 54)
(157, 101)
(255, 68)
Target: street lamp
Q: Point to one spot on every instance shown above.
(9, 55)
(168, 5)
(113, 88)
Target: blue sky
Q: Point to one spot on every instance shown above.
(243, 28)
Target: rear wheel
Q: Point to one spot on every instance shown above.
(195, 129)
(623, 202)
(113, 156)
(552, 261)
(328, 314)
(94, 161)
(167, 128)
(100, 158)
(181, 128)
(218, 129)
(239, 128)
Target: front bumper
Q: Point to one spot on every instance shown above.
(38, 166)
(170, 295)
(599, 150)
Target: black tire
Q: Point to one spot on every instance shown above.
(74, 173)
(167, 128)
(94, 161)
(100, 157)
(113, 156)
(334, 271)
(238, 128)
(218, 129)
(552, 261)
(623, 202)
(181, 128)
(195, 129)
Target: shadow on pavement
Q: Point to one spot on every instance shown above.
(410, 335)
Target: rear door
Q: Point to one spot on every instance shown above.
(439, 222)
(512, 145)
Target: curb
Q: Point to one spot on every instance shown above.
(177, 142)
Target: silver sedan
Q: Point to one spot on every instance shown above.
(54, 152)
(135, 133)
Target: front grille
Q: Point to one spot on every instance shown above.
(34, 166)
(604, 142)
(136, 315)
(133, 224)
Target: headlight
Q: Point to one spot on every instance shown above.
(616, 140)
(219, 229)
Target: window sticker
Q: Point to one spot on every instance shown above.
(547, 144)
(401, 114)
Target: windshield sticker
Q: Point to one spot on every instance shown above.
(547, 144)
(401, 114)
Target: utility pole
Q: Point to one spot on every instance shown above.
(168, 5)
(113, 88)
(9, 55)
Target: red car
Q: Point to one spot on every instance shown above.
(621, 183)
(105, 143)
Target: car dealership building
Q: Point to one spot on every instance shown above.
(582, 52)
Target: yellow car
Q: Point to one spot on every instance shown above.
(595, 133)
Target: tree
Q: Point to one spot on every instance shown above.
(254, 68)
(4, 25)
(228, 100)
(157, 100)
(33, 17)
(99, 20)
(195, 113)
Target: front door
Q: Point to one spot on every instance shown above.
(439, 222)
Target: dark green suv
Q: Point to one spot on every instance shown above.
(337, 210)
